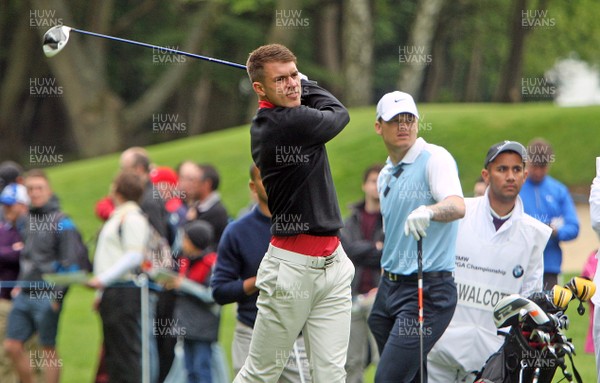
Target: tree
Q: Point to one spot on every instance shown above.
(358, 53)
(419, 46)
(521, 23)
(329, 47)
(13, 99)
(96, 113)
(508, 90)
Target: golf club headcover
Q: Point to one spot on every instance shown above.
(582, 288)
(513, 309)
(561, 297)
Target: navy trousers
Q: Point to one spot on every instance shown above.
(394, 322)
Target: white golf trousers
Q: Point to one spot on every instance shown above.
(299, 294)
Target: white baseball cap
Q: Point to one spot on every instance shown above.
(14, 193)
(394, 103)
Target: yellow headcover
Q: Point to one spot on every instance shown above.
(583, 288)
(561, 297)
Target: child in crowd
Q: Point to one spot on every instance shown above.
(196, 320)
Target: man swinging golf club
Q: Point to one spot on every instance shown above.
(304, 279)
(420, 195)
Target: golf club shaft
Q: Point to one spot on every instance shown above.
(420, 303)
(175, 51)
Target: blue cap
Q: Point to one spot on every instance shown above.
(14, 193)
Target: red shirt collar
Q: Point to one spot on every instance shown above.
(262, 104)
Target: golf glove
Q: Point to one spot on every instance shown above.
(418, 221)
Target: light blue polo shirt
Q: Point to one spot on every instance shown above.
(430, 175)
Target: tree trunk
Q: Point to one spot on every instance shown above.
(438, 70)
(11, 87)
(418, 51)
(473, 76)
(358, 53)
(198, 114)
(508, 88)
(328, 50)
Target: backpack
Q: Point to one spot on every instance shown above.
(80, 255)
(157, 252)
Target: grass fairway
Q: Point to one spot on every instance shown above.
(466, 130)
(80, 336)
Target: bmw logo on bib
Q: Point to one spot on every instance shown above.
(518, 271)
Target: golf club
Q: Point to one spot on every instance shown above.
(420, 288)
(56, 38)
(299, 362)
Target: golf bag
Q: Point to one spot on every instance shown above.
(535, 346)
(518, 362)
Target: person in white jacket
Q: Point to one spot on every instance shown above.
(499, 251)
(595, 218)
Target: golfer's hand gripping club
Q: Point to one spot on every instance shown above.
(418, 221)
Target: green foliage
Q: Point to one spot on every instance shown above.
(240, 7)
(575, 31)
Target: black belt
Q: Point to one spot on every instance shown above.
(413, 277)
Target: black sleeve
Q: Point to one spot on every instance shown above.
(320, 117)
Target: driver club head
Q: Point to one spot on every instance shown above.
(55, 39)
